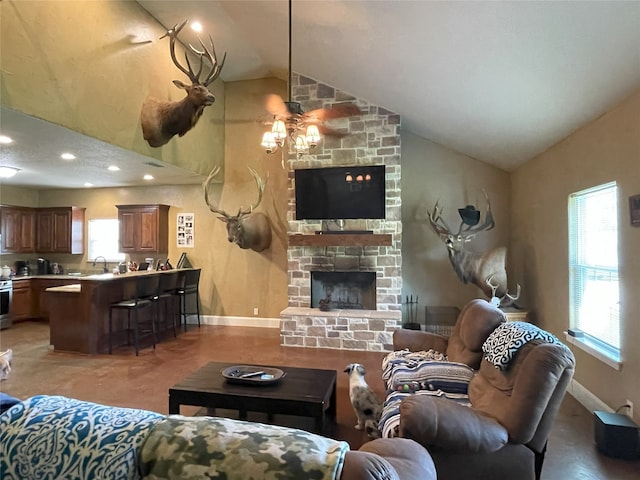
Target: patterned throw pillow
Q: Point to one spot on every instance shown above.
(505, 341)
(53, 438)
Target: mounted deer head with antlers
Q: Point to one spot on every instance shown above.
(247, 229)
(485, 270)
(161, 120)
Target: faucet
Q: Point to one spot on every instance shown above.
(104, 265)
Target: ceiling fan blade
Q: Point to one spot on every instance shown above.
(330, 132)
(340, 110)
(276, 106)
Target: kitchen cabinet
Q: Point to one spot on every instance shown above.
(60, 230)
(17, 226)
(21, 306)
(144, 228)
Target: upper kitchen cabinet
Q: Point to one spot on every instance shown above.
(60, 230)
(17, 226)
(144, 228)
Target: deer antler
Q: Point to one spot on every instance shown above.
(437, 222)
(205, 187)
(172, 33)
(471, 231)
(260, 184)
(509, 298)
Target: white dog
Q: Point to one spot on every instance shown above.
(366, 405)
(5, 364)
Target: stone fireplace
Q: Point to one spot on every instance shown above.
(374, 139)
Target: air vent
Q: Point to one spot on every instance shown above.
(154, 164)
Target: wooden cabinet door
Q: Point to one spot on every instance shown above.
(21, 300)
(61, 232)
(148, 230)
(128, 222)
(28, 231)
(44, 231)
(10, 226)
(17, 226)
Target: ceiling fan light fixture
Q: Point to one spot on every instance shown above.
(313, 135)
(269, 143)
(301, 145)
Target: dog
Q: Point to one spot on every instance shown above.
(5, 364)
(365, 403)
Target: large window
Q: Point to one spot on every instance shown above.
(103, 239)
(593, 265)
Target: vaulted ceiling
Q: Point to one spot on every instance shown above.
(497, 81)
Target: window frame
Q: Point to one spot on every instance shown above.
(112, 254)
(592, 344)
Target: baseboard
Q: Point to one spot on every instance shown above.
(235, 321)
(587, 399)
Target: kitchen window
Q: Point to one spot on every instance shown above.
(103, 239)
(593, 271)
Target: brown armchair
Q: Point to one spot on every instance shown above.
(503, 434)
(475, 323)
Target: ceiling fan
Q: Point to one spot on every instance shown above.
(303, 129)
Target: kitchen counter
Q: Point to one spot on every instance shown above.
(79, 313)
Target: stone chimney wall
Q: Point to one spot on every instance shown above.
(373, 139)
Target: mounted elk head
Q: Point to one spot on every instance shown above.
(485, 270)
(247, 229)
(161, 120)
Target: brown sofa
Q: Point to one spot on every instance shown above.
(503, 434)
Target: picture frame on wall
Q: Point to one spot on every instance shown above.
(634, 210)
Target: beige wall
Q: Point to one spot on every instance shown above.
(233, 281)
(607, 149)
(89, 65)
(430, 173)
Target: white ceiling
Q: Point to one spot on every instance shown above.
(498, 81)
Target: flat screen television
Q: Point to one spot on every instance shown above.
(336, 193)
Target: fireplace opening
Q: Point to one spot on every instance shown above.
(348, 290)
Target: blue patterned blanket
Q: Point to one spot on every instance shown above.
(55, 438)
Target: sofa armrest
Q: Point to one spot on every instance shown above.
(416, 341)
(442, 424)
(389, 459)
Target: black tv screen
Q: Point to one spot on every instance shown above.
(336, 193)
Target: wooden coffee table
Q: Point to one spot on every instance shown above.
(306, 392)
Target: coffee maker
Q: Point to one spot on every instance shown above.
(44, 266)
(22, 268)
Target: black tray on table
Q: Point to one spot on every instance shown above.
(252, 374)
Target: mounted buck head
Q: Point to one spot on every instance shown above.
(161, 120)
(247, 229)
(485, 270)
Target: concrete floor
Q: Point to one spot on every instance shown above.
(123, 379)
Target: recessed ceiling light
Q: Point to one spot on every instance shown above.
(196, 26)
(5, 140)
(148, 177)
(68, 156)
(8, 172)
(113, 168)
(88, 184)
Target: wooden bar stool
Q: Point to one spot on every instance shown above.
(189, 286)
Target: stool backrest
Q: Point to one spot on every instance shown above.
(147, 285)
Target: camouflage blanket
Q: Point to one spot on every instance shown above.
(182, 447)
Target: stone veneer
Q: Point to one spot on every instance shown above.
(374, 139)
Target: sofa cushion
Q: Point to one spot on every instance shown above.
(54, 437)
(212, 447)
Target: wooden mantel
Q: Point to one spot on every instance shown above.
(343, 239)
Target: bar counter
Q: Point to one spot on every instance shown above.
(79, 313)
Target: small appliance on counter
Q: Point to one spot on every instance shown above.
(22, 268)
(44, 266)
